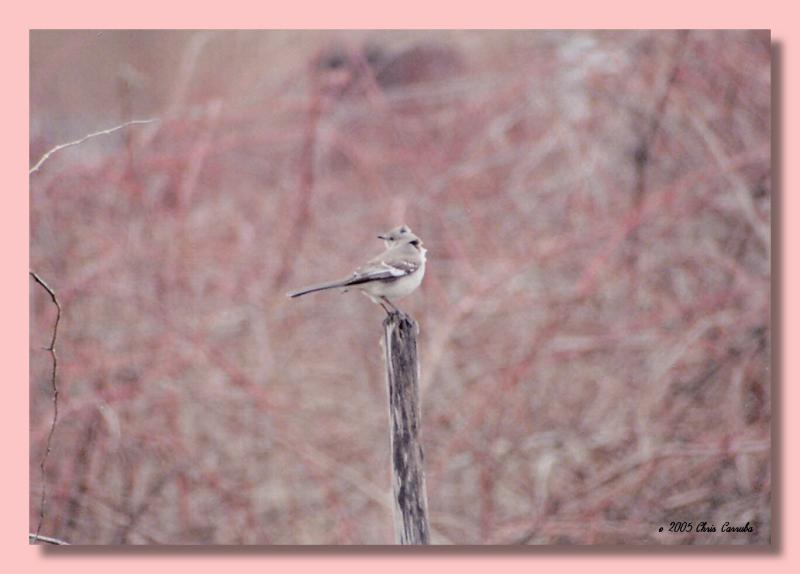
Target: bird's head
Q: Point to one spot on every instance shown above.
(400, 235)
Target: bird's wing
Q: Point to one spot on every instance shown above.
(383, 270)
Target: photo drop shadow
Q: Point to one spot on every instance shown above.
(776, 544)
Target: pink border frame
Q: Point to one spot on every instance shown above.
(18, 556)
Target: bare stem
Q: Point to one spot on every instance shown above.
(59, 147)
(34, 538)
(54, 384)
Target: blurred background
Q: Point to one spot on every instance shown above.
(595, 326)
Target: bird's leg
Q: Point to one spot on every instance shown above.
(385, 300)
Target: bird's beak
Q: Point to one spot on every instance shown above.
(383, 237)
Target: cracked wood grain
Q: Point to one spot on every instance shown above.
(408, 476)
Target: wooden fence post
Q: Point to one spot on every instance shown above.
(408, 476)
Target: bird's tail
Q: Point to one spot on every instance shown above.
(319, 287)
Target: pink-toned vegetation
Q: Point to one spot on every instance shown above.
(595, 319)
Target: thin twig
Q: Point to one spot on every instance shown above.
(52, 350)
(59, 147)
(34, 538)
(52, 347)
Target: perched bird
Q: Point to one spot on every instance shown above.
(393, 274)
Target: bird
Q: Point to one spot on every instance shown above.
(393, 274)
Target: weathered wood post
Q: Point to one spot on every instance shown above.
(408, 476)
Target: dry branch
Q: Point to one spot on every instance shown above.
(59, 147)
(51, 348)
(54, 384)
(34, 538)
